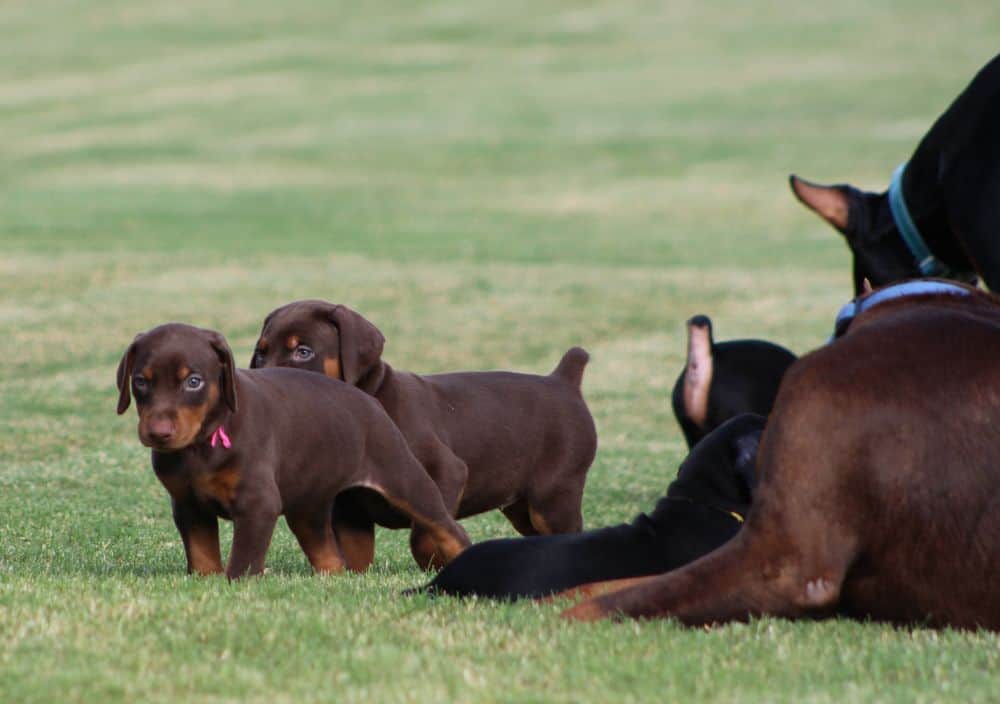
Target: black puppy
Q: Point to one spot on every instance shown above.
(703, 508)
(721, 380)
(941, 213)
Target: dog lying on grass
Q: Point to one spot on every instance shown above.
(878, 477)
(249, 446)
(703, 508)
(518, 442)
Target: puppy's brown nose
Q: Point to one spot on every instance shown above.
(161, 430)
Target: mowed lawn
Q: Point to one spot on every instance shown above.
(490, 183)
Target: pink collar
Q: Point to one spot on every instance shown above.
(220, 434)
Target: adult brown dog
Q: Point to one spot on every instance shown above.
(250, 446)
(879, 484)
(519, 442)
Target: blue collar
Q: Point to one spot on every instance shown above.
(890, 293)
(928, 264)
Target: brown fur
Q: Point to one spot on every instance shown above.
(878, 484)
(297, 443)
(519, 442)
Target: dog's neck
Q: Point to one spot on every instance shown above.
(921, 192)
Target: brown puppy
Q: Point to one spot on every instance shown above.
(519, 442)
(250, 446)
(879, 473)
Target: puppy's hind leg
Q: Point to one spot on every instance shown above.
(354, 531)
(451, 475)
(314, 532)
(558, 509)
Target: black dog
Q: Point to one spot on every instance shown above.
(721, 380)
(703, 508)
(941, 214)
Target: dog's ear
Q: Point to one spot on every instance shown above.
(263, 328)
(361, 343)
(744, 449)
(124, 376)
(221, 347)
(832, 203)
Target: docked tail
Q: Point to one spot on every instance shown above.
(571, 366)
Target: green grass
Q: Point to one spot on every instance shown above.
(488, 182)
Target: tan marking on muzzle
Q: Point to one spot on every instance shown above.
(331, 367)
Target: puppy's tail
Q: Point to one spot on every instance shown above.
(570, 367)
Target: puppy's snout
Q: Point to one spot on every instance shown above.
(161, 430)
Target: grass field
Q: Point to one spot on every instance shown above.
(488, 182)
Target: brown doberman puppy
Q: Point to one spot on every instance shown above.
(250, 446)
(518, 442)
(879, 478)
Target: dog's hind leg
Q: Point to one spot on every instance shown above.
(751, 575)
(354, 532)
(451, 475)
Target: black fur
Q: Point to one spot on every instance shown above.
(691, 520)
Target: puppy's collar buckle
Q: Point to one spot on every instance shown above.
(220, 436)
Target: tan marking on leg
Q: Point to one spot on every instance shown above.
(539, 522)
(331, 367)
(203, 550)
(316, 540)
(424, 549)
(596, 589)
(325, 559)
(698, 374)
(448, 546)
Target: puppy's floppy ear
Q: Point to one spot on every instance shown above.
(225, 354)
(124, 376)
(361, 343)
(263, 329)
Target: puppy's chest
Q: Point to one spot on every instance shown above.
(216, 488)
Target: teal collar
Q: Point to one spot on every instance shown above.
(928, 264)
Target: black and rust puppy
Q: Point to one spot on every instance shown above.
(518, 442)
(878, 478)
(250, 446)
(722, 380)
(703, 509)
(941, 213)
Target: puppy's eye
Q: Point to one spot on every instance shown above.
(140, 383)
(194, 383)
(302, 354)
